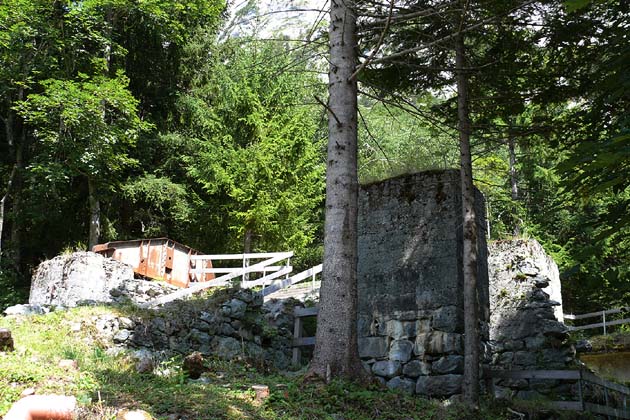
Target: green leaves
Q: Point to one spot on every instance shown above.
(89, 125)
(574, 5)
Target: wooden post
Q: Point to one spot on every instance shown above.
(580, 391)
(297, 333)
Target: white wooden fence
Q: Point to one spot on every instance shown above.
(604, 324)
(272, 273)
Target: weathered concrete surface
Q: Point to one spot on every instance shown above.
(410, 314)
(66, 280)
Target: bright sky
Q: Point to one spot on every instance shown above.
(288, 17)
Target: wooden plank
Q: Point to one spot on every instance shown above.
(303, 341)
(297, 334)
(567, 405)
(302, 312)
(292, 280)
(588, 376)
(594, 314)
(267, 279)
(599, 325)
(533, 374)
(288, 254)
(233, 269)
(607, 411)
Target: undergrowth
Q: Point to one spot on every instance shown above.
(105, 383)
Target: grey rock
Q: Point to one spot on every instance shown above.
(159, 324)
(226, 329)
(246, 334)
(144, 361)
(227, 348)
(373, 347)
(506, 358)
(126, 323)
(399, 329)
(415, 368)
(24, 310)
(438, 342)
(237, 308)
(448, 364)
(402, 384)
(439, 386)
(400, 350)
(535, 343)
(200, 337)
(80, 276)
(583, 346)
(121, 336)
(386, 368)
(514, 344)
(448, 319)
(525, 359)
(254, 351)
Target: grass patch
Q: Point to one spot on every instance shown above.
(105, 383)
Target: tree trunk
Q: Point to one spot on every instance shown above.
(16, 228)
(3, 202)
(247, 248)
(95, 215)
(513, 180)
(336, 352)
(471, 312)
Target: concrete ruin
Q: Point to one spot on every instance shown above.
(410, 314)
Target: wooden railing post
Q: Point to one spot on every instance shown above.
(580, 391)
(297, 333)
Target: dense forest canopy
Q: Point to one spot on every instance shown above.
(123, 119)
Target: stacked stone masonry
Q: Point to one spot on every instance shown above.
(526, 328)
(410, 313)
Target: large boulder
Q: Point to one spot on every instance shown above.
(70, 279)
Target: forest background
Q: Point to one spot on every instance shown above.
(125, 120)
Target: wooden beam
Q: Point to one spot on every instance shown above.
(599, 324)
(594, 314)
(302, 312)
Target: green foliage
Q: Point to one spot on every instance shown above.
(393, 142)
(257, 143)
(12, 293)
(84, 127)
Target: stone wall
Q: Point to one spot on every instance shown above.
(526, 328)
(410, 314)
(233, 324)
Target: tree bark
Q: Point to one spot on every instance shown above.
(513, 180)
(471, 311)
(95, 215)
(16, 195)
(336, 351)
(3, 202)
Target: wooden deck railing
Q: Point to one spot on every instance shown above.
(604, 324)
